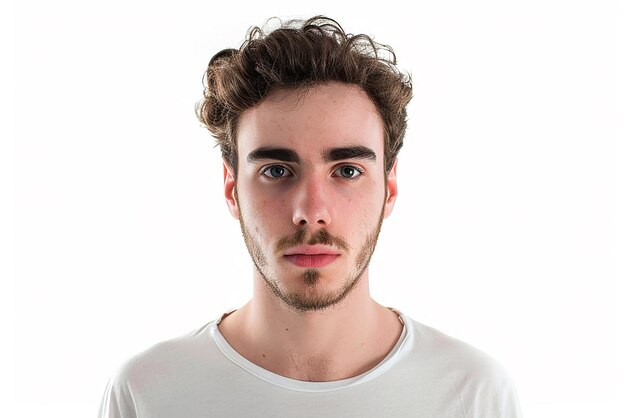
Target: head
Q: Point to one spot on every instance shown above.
(309, 121)
(300, 55)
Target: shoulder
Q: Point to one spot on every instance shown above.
(159, 359)
(453, 354)
(483, 386)
(146, 371)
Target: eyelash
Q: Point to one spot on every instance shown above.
(268, 168)
(357, 170)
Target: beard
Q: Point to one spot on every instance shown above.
(310, 297)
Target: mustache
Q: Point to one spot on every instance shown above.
(321, 236)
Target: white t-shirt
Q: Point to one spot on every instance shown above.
(427, 374)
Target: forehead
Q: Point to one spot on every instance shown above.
(308, 121)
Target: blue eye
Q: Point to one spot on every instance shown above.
(348, 172)
(276, 172)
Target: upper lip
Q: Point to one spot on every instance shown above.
(312, 250)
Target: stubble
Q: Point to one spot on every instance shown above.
(309, 298)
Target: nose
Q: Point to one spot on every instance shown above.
(312, 204)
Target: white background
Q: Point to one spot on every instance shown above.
(504, 233)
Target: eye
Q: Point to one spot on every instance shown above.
(276, 172)
(348, 172)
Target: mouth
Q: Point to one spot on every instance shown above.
(314, 256)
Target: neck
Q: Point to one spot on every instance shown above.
(342, 341)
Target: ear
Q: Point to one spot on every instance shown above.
(230, 190)
(392, 189)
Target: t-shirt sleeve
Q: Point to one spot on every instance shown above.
(117, 401)
(491, 393)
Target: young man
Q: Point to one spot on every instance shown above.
(310, 121)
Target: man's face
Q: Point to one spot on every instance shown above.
(311, 191)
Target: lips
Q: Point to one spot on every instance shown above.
(311, 256)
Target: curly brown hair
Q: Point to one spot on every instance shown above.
(302, 54)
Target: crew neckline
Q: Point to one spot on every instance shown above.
(304, 386)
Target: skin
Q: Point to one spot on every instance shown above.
(314, 323)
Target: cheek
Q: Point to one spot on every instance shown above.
(362, 204)
(367, 210)
(270, 208)
(264, 216)
(357, 215)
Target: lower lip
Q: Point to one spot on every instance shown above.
(310, 261)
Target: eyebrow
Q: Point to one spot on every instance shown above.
(348, 153)
(270, 153)
(329, 155)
